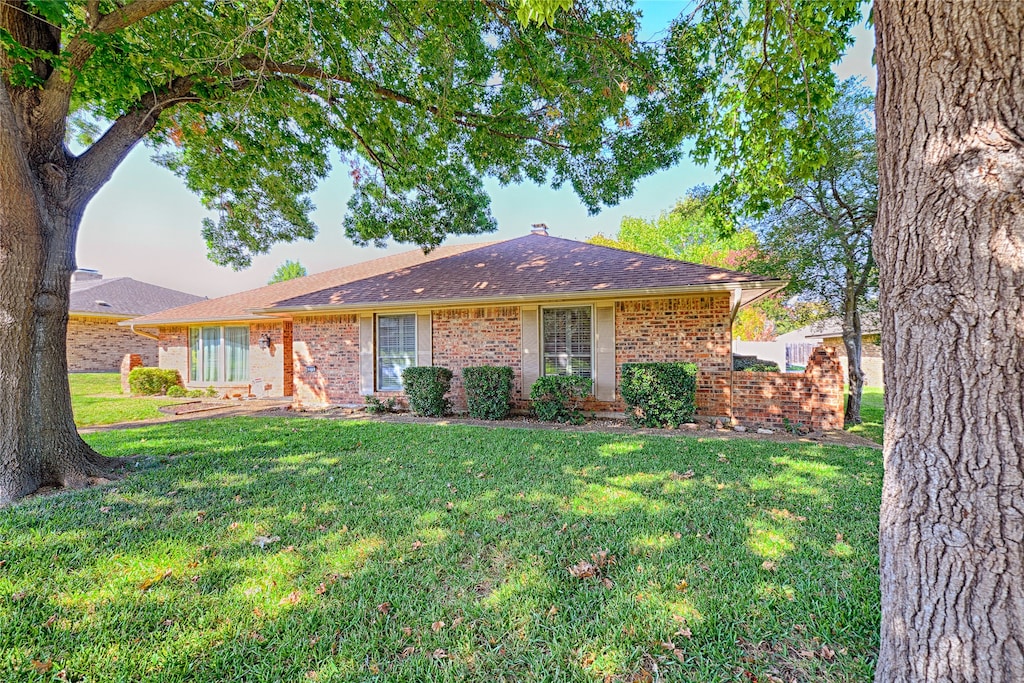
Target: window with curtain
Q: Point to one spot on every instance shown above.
(396, 349)
(218, 354)
(568, 335)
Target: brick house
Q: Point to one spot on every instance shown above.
(830, 333)
(540, 304)
(96, 341)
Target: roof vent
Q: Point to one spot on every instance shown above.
(83, 274)
(101, 302)
(539, 229)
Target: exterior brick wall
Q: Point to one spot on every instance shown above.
(870, 358)
(129, 363)
(173, 347)
(467, 337)
(330, 343)
(99, 344)
(813, 398)
(694, 329)
(271, 366)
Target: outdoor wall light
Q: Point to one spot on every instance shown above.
(265, 341)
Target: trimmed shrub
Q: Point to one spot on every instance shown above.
(152, 381)
(753, 364)
(659, 394)
(177, 391)
(375, 406)
(426, 386)
(195, 393)
(488, 391)
(557, 398)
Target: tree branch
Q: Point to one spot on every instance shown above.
(56, 96)
(465, 119)
(95, 166)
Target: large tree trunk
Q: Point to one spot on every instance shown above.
(39, 218)
(950, 247)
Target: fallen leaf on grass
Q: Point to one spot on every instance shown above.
(16, 597)
(675, 476)
(233, 526)
(440, 653)
(407, 630)
(449, 505)
(263, 541)
(456, 621)
(769, 566)
(407, 652)
(417, 545)
(607, 583)
(292, 598)
(384, 607)
(583, 570)
(501, 519)
(51, 621)
(437, 626)
(41, 667)
(105, 509)
(827, 653)
(150, 582)
(321, 589)
(682, 585)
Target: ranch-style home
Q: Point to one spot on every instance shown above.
(540, 304)
(96, 340)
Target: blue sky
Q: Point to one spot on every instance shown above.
(145, 224)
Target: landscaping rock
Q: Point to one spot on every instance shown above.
(739, 428)
(765, 431)
(718, 424)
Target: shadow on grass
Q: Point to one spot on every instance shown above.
(441, 553)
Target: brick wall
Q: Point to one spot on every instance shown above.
(99, 344)
(271, 366)
(173, 347)
(813, 398)
(694, 329)
(330, 343)
(467, 337)
(870, 358)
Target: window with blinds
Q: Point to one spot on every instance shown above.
(396, 349)
(568, 340)
(218, 354)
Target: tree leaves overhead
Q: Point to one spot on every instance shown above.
(421, 99)
(773, 84)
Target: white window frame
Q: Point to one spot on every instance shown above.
(196, 365)
(378, 377)
(543, 353)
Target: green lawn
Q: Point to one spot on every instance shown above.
(96, 399)
(293, 550)
(872, 410)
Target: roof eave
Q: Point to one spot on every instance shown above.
(770, 286)
(169, 322)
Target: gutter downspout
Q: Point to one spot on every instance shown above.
(147, 335)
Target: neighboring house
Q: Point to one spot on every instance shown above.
(96, 341)
(830, 333)
(539, 304)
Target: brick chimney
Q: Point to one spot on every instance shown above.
(83, 274)
(539, 229)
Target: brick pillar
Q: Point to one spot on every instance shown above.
(129, 363)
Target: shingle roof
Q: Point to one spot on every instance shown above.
(239, 306)
(124, 297)
(532, 265)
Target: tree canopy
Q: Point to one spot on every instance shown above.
(421, 100)
(289, 270)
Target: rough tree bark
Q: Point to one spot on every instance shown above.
(950, 246)
(45, 189)
(853, 341)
